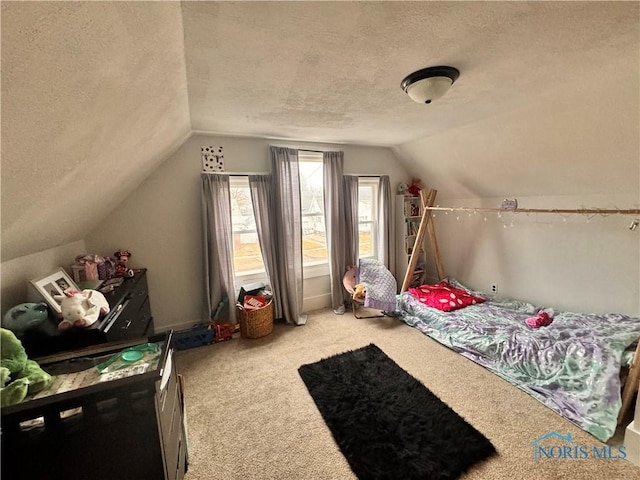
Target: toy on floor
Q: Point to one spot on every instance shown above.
(19, 376)
(25, 317)
(81, 309)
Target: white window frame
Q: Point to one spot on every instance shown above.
(374, 183)
(253, 276)
(316, 269)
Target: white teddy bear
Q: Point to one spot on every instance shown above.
(81, 309)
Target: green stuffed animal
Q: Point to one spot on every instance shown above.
(19, 375)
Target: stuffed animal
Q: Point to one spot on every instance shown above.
(414, 188)
(349, 279)
(402, 188)
(24, 317)
(122, 268)
(81, 309)
(19, 376)
(359, 292)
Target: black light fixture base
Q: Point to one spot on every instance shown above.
(440, 71)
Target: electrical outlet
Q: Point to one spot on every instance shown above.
(494, 288)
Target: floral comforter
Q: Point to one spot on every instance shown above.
(572, 365)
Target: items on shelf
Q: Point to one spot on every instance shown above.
(90, 267)
(415, 187)
(122, 268)
(412, 207)
(81, 308)
(25, 317)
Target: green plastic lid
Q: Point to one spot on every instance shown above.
(132, 355)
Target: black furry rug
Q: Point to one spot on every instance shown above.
(386, 423)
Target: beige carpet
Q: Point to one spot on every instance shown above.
(250, 416)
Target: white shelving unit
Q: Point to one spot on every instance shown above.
(408, 213)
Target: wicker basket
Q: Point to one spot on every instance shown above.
(256, 323)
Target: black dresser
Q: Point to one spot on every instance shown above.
(127, 426)
(129, 318)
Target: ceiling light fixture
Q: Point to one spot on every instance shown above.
(429, 84)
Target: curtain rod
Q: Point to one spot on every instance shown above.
(582, 211)
(312, 151)
(241, 174)
(232, 174)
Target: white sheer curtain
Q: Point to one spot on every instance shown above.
(217, 239)
(287, 213)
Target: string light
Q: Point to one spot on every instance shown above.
(588, 213)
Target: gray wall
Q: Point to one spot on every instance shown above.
(17, 273)
(578, 147)
(160, 222)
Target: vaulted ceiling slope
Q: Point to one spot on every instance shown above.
(96, 94)
(94, 97)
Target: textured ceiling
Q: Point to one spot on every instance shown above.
(96, 94)
(94, 97)
(331, 71)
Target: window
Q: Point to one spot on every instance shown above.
(314, 238)
(247, 256)
(367, 217)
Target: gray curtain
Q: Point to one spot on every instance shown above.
(217, 239)
(287, 213)
(264, 213)
(334, 211)
(351, 241)
(385, 224)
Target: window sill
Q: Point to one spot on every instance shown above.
(313, 271)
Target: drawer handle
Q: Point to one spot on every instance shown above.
(127, 325)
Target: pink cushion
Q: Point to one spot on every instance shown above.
(444, 297)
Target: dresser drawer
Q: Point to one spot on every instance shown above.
(131, 320)
(167, 403)
(170, 420)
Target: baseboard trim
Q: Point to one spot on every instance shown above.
(316, 302)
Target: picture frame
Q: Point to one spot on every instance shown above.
(54, 284)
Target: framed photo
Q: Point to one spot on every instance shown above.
(54, 284)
